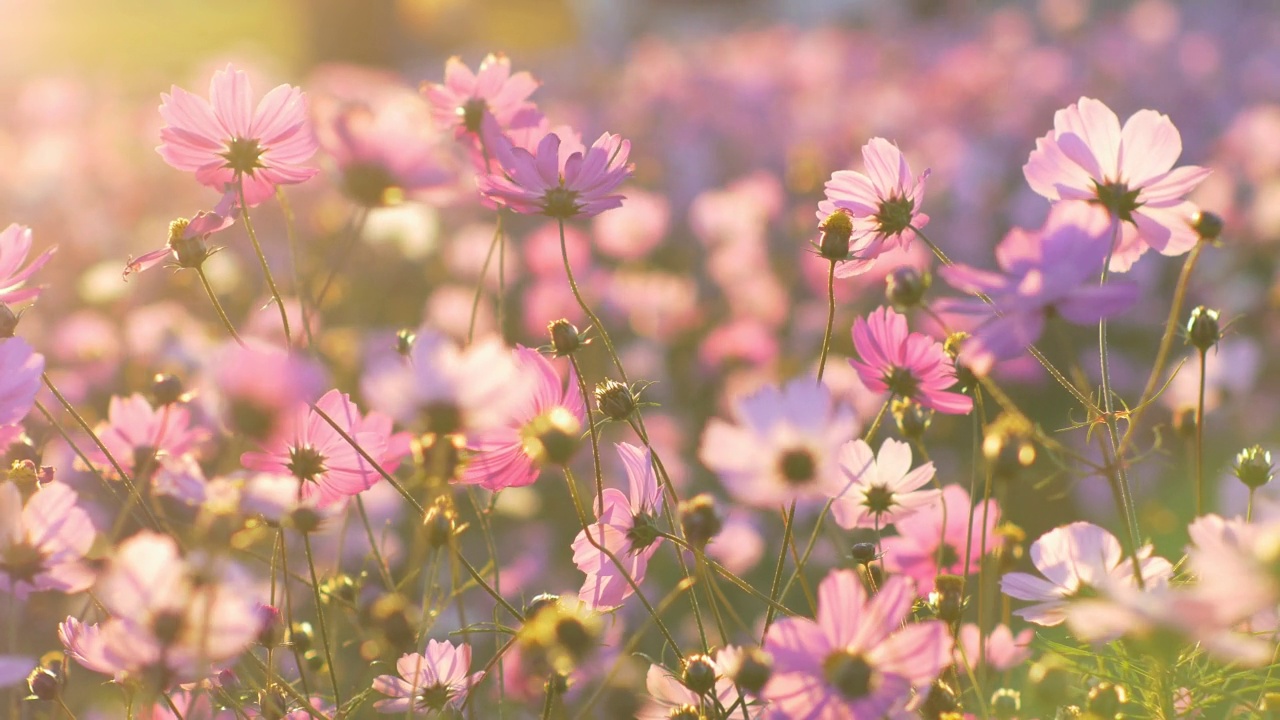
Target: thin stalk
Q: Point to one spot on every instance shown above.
(1200, 440)
(831, 318)
(586, 309)
(291, 238)
(369, 459)
(217, 306)
(475, 575)
(788, 520)
(262, 259)
(484, 270)
(355, 226)
(593, 431)
(324, 631)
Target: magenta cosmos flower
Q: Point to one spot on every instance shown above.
(932, 541)
(627, 528)
(1049, 273)
(15, 245)
(386, 155)
(1078, 560)
(429, 682)
(225, 140)
(783, 446)
(1129, 171)
(880, 489)
(907, 364)
(314, 452)
(20, 371)
(138, 435)
(881, 204)
(42, 544)
(857, 661)
(464, 98)
(511, 454)
(559, 182)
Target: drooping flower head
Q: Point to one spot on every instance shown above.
(783, 446)
(626, 528)
(225, 140)
(547, 419)
(1048, 273)
(907, 364)
(882, 205)
(427, 683)
(42, 544)
(557, 181)
(857, 660)
(880, 489)
(933, 540)
(330, 468)
(464, 98)
(187, 243)
(15, 244)
(1129, 171)
(1078, 560)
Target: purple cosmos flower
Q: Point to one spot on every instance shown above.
(857, 660)
(1129, 171)
(1049, 273)
(14, 669)
(880, 489)
(20, 371)
(429, 682)
(15, 244)
(42, 544)
(559, 182)
(906, 364)
(464, 98)
(1078, 559)
(932, 541)
(783, 446)
(882, 205)
(626, 528)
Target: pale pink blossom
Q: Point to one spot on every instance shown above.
(933, 540)
(43, 543)
(880, 489)
(15, 244)
(428, 683)
(1000, 650)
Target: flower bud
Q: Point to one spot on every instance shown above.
(1006, 704)
(45, 683)
(1207, 225)
(947, 599)
(405, 338)
(166, 389)
(942, 701)
(272, 632)
(1253, 466)
(8, 321)
(393, 619)
(190, 251)
(1203, 331)
(439, 523)
(837, 229)
(1106, 700)
(699, 674)
(615, 400)
(305, 520)
(905, 286)
(553, 437)
(302, 636)
(565, 338)
(752, 669)
(913, 419)
(864, 552)
(540, 603)
(700, 519)
(274, 704)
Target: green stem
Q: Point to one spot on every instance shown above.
(217, 306)
(831, 318)
(788, 520)
(1200, 440)
(484, 270)
(324, 631)
(262, 259)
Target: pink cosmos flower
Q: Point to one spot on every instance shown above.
(187, 238)
(882, 205)
(259, 386)
(1078, 559)
(667, 693)
(554, 181)
(909, 365)
(880, 489)
(510, 455)
(42, 544)
(20, 371)
(14, 669)
(1129, 171)
(386, 155)
(783, 446)
(174, 619)
(464, 98)
(190, 705)
(137, 434)
(856, 661)
(1049, 273)
(224, 140)
(15, 244)
(429, 682)
(1003, 650)
(932, 541)
(626, 527)
(313, 451)
(1232, 559)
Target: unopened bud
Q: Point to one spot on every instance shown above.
(439, 523)
(837, 229)
(166, 389)
(1106, 700)
(752, 669)
(1203, 330)
(1253, 466)
(44, 683)
(699, 674)
(941, 701)
(274, 704)
(404, 341)
(864, 552)
(947, 599)
(272, 632)
(1006, 704)
(540, 603)
(191, 251)
(302, 636)
(905, 286)
(1207, 225)
(615, 400)
(565, 338)
(575, 636)
(700, 519)
(913, 419)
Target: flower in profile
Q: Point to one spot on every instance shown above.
(783, 446)
(543, 425)
(559, 182)
(907, 364)
(464, 98)
(20, 371)
(224, 140)
(668, 693)
(428, 683)
(1129, 171)
(881, 205)
(1078, 561)
(1049, 273)
(138, 435)
(933, 540)
(385, 155)
(42, 544)
(187, 243)
(15, 244)
(882, 488)
(627, 528)
(314, 451)
(857, 660)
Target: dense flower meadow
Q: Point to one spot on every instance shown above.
(794, 375)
